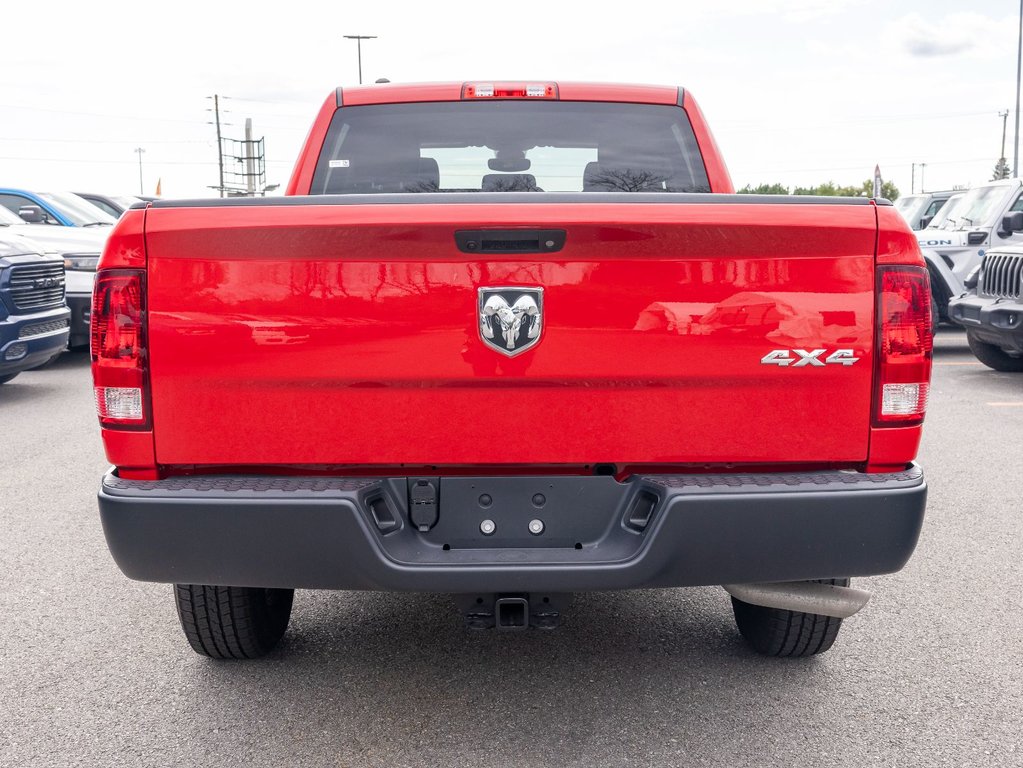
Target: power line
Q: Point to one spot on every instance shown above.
(102, 141)
(100, 162)
(148, 118)
(853, 121)
(888, 163)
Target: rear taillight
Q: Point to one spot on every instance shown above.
(118, 344)
(904, 344)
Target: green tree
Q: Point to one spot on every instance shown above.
(827, 189)
(765, 189)
(888, 190)
(1001, 170)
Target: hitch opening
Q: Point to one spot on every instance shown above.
(511, 613)
(512, 610)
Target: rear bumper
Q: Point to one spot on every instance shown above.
(30, 340)
(699, 530)
(996, 321)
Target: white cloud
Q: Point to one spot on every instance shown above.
(950, 35)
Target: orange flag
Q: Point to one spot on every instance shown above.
(159, 187)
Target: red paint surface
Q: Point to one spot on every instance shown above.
(348, 335)
(299, 339)
(717, 172)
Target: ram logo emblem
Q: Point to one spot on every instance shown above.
(510, 319)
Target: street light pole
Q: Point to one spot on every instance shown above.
(1019, 71)
(359, 38)
(140, 151)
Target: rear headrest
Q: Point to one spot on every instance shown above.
(509, 182)
(591, 178)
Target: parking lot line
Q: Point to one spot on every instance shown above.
(960, 362)
(1006, 405)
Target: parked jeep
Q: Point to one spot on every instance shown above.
(918, 210)
(34, 320)
(991, 309)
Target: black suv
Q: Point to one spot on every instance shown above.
(992, 309)
(34, 319)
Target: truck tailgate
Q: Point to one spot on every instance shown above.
(324, 334)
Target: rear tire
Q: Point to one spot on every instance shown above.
(793, 634)
(233, 622)
(994, 357)
(8, 377)
(940, 294)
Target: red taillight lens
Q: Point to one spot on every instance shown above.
(509, 91)
(904, 345)
(118, 345)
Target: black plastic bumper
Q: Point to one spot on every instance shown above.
(996, 321)
(30, 340)
(652, 531)
(81, 311)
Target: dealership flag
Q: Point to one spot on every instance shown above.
(877, 181)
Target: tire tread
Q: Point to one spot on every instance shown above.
(994, 357)
(232, 622)
(791, 634)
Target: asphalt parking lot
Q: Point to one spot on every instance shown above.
(95, 671)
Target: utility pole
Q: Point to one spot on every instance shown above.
(923, 167)
(140, 151)
(1019, 70)
(1005, 120)
(220, 143)
(912, 180)
(359, 38)
(250, 160)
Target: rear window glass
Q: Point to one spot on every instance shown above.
(509, 146)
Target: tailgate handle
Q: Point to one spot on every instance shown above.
(510, 240)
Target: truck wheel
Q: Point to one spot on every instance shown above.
(775, 632)
(994, 357)
(233, 622)
(8, 377)
(940, 294)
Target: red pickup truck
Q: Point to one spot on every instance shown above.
(511, 341)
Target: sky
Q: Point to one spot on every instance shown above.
(796, 91)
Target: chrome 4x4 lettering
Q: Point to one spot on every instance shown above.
(799, 358)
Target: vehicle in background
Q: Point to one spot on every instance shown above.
(991, 309)
(57, 208)
(947, 210)
(918, 210)
(80, 249)
(114, 205)
(977, 224)
(34, 319)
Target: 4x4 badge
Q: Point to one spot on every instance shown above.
(511, 319)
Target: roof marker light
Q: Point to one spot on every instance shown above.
(510, 91)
